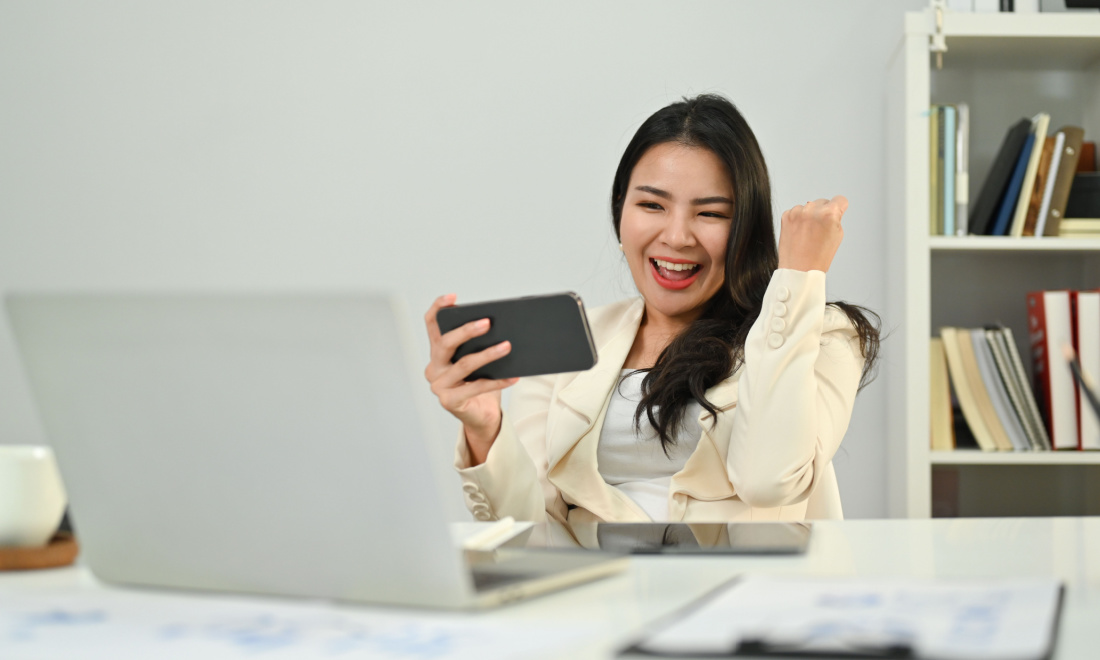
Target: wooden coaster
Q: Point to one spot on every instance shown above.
(60, 551)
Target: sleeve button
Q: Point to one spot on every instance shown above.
(477, 498)
(778, 324)
(783, 294)
(483, 515)
(780, 309)
(469, 488)
(775, 341)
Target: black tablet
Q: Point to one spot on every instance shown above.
(549, 334)
(746, 538)
(677, 538)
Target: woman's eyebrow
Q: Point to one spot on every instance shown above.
(712, 200)
(654, 191)
(718, 199)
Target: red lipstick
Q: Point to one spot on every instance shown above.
(674, 285)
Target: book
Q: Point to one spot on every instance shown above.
(947, 137)
(964, 391)
(962, 168)
(1087, 161)
(1084, 196)
(998, 395)
(1049, 327)
(1003, 224)
(1052, 172)
(1038, 191)
(995, 339)
(1039, 125)
(1063, 180)
(1008, 340)
(942, 431)
(983, 210)
(1088, 352)
(1087, 386)
(935, 175)
(1080, 228)
(982, 396)
(1088, 228)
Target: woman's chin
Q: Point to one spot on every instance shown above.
(687, 310)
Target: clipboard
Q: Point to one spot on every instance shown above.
(776, 617)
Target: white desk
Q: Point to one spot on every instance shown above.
(600, 616)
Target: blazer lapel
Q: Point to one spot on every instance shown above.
(585, 397)
(572, 466)
(704, 474)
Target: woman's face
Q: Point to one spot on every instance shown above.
(674, 229)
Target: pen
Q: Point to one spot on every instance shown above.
(1082, 378)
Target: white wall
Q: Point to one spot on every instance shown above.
(415, 147)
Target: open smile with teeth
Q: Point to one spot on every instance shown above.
(674, 275)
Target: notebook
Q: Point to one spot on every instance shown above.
(269, 444)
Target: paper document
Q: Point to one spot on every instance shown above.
(959, 619)
(107, 624)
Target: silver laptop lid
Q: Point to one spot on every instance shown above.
(261, 443)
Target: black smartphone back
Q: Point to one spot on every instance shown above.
(549, 335)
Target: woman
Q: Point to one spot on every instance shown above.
(721, 394)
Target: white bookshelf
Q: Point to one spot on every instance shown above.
(1005, 66)
(972, 457)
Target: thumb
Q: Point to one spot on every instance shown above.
(841, 201)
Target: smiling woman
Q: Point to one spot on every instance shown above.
(721, 393)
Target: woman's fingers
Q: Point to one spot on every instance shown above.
(841, 201)
(811, 233)
(468, 364)
(455, 398)
(460, 335)
(443, 349)
(446, 300)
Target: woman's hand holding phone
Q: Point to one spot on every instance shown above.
(475, 403)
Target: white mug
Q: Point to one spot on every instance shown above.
(32, 499)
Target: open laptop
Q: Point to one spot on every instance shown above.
(255, 443)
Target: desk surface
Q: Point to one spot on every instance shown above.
(588, 621)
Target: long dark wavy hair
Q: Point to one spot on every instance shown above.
(713, 346)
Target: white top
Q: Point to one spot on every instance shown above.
(633, 461)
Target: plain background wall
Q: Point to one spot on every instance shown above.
(412, 147)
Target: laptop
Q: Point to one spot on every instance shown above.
(267, 444)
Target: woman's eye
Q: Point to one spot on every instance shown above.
(712, 214)
(653, 206)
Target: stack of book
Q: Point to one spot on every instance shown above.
(984, 369)
(1029, 181)
(1058, 320)
(949, 157)
(1080, 228)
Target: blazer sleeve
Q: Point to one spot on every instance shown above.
(796, 391)
(512, 481)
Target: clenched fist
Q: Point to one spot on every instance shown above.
(811, 233)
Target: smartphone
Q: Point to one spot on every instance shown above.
(549, 335)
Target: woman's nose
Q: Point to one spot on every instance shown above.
(677, 232)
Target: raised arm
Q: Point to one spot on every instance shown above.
(802, 369)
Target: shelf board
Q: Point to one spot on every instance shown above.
(1016, 41)
(1043, 25)
(974, 457)
(1005, 244)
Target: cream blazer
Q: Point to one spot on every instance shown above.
(767, 456)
